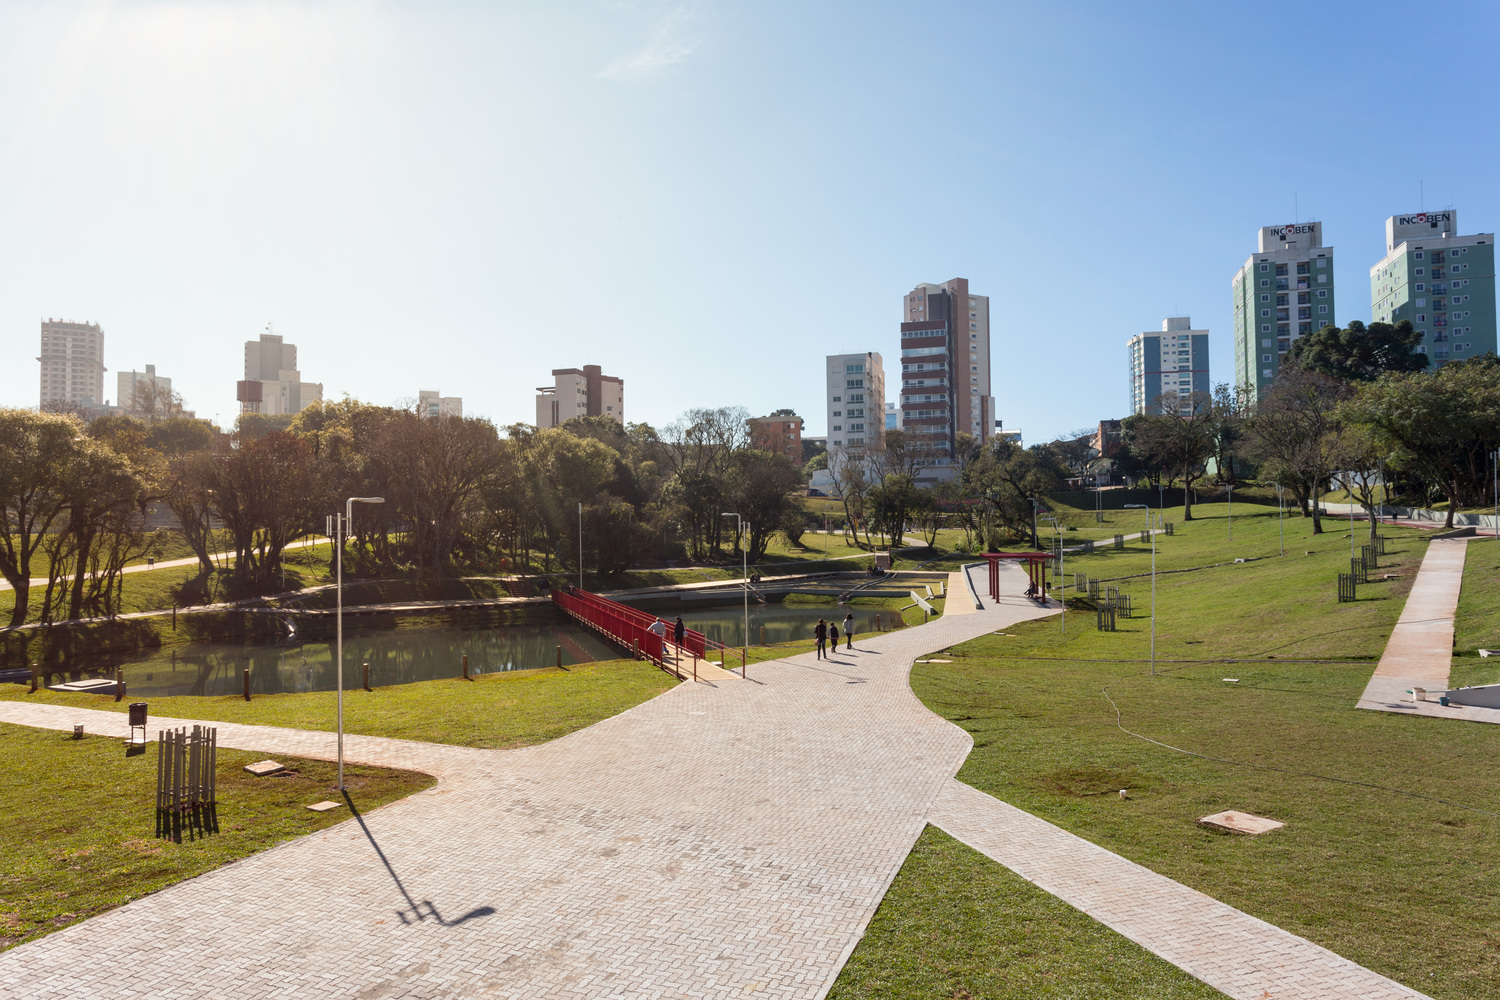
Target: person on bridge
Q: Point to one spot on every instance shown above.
(820, 631)
(849, 630)
(658, 628)
(679, 632)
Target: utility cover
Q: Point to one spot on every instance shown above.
(261, 768)
(1239, 822)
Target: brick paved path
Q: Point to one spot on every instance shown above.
(1231, 951)
(1419, 652)
(723, 839)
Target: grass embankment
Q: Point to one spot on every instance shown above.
(1477, 625)
(510, 709)
(78, 836)
(1397, 883)
(957, 925)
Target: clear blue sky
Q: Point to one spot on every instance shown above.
(704, 198)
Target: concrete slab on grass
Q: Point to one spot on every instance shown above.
(1230, 821)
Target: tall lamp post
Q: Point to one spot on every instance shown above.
(580, 546)
(1062, 587)
(340, 526)
(1147, 509)
(740, 524)
(1231, 512)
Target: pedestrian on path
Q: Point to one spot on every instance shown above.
(849, 630)
(679, 631)
(820, 631)
(833, 633)
(658, 628)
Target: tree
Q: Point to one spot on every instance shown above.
(760, 489)
(1295, 433)
(36, 450)
(265, 493)
(1437, 428)
(1006, 477)
(1177, 442)
(1359, 353)
(152, 400)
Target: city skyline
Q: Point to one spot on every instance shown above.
(636, 182)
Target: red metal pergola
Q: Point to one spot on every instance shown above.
(1036, 570)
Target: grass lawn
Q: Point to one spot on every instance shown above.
(1477, 625)
(957, 925)
(80, 819)
(510, 709)
(1398, 883)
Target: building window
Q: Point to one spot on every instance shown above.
(1265, 296)
(1265, 267)
(1322, 279)
(1265, 282)
(1265, 328)
(1322, 261)
(1265, 358)
(838, 413)
(838, 427)
(1322, 293)
(1265, 314)
(1322, 309)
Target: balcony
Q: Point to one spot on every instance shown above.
(1281, 284)
(1301, 284)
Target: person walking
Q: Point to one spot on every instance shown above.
(658, 628)
(849, 630)
(820, 632)
(833, 633)
(679, 632)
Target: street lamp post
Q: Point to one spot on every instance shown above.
(740, 525)
(341, 526)
(1062, 587)
(1231, 512)
(1147, 509)
(580, 545)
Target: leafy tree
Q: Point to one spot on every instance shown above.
(1438, 428)
(1359, 353)
(1007, 477)
(1295, 433)
(1177, 442)
(36, 450)
(264, 493)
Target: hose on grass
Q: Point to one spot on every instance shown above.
(1119, 724)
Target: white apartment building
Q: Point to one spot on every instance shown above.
(72, 359)
(273, 385)
(1173, 362)
(126, 383)
(431, 404)
(855, 403)
(580, 392)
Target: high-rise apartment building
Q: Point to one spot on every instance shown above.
(1282, 292)
(1173, 362)
(1444, 283)
(72, 358)
(273, 384)
(142, 393)
(945, 367)
(781, 431)
(431, 404)
(580, 392)
(856, 404)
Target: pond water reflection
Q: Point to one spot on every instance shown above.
(401, 656)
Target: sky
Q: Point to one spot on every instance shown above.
(704, 198)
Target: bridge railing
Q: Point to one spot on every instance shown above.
(631, 627)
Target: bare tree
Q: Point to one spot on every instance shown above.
(1296, 433)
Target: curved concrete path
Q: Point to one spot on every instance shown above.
(720, 840)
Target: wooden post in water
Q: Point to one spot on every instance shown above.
(762, 635)
(247, 683)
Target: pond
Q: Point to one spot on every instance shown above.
(401, 656)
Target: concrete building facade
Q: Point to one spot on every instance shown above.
(154, 390)
(580, 392)
(945, 367)
(1282, 292)
(781, 431)
(1442, 282)
(431, 404)
(1173, 361)
(855, 403)
(72, 360)
(273, 384)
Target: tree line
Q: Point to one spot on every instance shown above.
(1353, 408)
(462, 495)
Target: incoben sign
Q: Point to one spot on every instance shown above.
(1283, 232)
(1422, 218)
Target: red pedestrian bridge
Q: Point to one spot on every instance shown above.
(630, 629)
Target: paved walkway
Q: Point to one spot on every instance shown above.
(1419, 652)
(723, 839)
(1232, 951)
